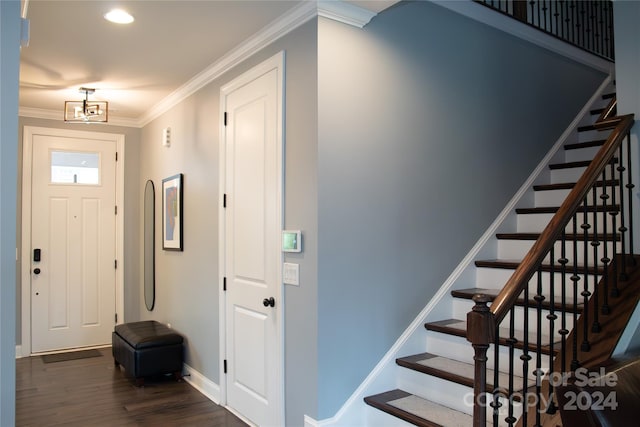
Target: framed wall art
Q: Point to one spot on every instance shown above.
(172, 213)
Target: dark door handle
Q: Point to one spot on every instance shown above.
(36, 255)
(269, 302)
(36, 271)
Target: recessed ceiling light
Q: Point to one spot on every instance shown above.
(118, 16)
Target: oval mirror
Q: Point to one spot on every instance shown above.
(149, 246)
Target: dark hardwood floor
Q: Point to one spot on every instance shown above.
(93, 392)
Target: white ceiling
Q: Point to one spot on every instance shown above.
(134, 67)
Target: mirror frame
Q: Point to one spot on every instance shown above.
(149, 242)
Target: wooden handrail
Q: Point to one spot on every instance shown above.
(507, 298)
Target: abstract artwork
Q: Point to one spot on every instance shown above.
(172, 213)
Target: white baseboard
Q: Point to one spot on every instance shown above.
(18, 351)
(203, 384)
(310, 422)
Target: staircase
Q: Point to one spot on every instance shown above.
(436, 387)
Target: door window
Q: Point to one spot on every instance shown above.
(75, 167)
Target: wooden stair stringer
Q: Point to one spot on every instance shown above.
(603, 343)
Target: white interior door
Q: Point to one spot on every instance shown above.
(73, 242)
(252, 252)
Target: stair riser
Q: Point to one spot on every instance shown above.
(557, 197)
(445, 393)
(559, 176)
(449, 394)
(462, 307)
(580, 154)
(517, 249)
(438, 390)
(535, 223)
(458, 348)
(496, 278)
(591, 135)
(376, 418)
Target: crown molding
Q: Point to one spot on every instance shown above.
(340, 11)
(346, 13)
(283, 25)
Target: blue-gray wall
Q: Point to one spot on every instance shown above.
(9, 69)
(428, 124)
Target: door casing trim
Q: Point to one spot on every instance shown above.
(25, 254)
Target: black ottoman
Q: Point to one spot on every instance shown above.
(147, 348)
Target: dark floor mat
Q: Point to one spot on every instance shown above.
(61, 357)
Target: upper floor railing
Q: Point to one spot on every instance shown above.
(585, 24)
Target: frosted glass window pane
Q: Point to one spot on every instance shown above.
(75, 167)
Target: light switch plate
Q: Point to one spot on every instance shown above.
(291, 274)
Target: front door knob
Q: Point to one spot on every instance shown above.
(269, 302)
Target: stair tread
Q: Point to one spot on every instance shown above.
(570, 185)
(458, 327)
(585, 144)
(417, 410)
(468, 293)
(554, 209)
(513, 264)
(576, 164)
(568, 236)
(454, 370)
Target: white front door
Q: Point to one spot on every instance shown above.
(252, 250)
(73, 242)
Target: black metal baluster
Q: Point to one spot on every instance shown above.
(511, 342)
(545, 8)
(587, 25)
(614, 229)
(623, 229)
(592, 22)
(539, 24)
(630, 187)
(531, 16)
(579, 24)
(605, 258)
(595, 243)
(563, 311)
(539, 298)
(600, 28)
(525, 355)
(556, 14)
(563, 19)
(612, 51)
(585, 346)
(551, 408)
(572, 21)
(495, 404)
(575, 279)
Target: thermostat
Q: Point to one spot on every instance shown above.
(291, 241)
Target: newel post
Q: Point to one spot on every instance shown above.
(480, 332)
